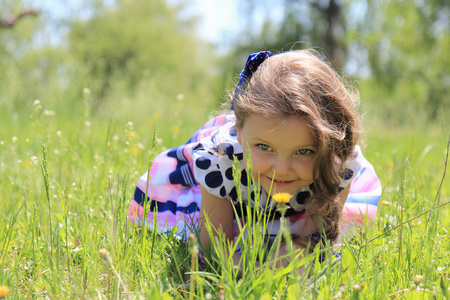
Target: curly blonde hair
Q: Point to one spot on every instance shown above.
(299, 83)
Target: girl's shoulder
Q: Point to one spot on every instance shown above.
(353, 167)
(213, 160)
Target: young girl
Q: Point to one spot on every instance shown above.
(300, 124)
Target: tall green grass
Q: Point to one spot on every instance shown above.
(67, 180)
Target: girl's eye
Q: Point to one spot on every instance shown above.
(304, 151)
(264, 147)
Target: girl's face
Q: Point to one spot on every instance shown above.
(282, 150)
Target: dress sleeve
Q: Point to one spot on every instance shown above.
(350, 168)
(213, 166)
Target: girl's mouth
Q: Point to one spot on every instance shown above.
(282, 182)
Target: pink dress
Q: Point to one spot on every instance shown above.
(172, 189)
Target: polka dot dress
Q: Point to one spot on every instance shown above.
(171, 194)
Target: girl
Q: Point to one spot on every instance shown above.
(300, 124)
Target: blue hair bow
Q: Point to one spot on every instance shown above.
(254, 60)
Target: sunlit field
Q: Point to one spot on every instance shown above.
(91, 91)
(67, 180)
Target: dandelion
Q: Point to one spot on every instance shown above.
(282, 197)
(4, 291)
(135, 150)
(175, 129)
(26, 163)
(390, 165)
(86, 91)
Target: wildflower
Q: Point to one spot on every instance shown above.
(221, 293)
(418, 279)
(26, 163)
(37, 106)
(48, 112)
(4, 291)
(135, 150)
(390, 165)
(282, 197)
(175, 129)
(86, 91)
(15, 139)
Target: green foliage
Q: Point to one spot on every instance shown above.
(400, 49)
(137, 43)
(122, 58)
(408, 52)
(63, 203)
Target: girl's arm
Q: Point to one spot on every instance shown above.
(220, 215)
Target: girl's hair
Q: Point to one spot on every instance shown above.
(298, 83)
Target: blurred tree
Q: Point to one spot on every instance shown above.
(408, 51)
(16, 38)
(136, 40)
(316, 22)
(10, 20)
(123, 51)
(402, 49)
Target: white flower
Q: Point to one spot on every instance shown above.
(86, 91)
(48, 112)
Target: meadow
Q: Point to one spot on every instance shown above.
(68, 176)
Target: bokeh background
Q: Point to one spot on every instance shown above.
(170, 61)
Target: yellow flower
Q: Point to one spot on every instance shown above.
(282, 197)
(4, 290)
(175, 129)
(135, 150)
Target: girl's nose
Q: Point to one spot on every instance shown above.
(282, 166)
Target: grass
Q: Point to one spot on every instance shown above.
(66, 183)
